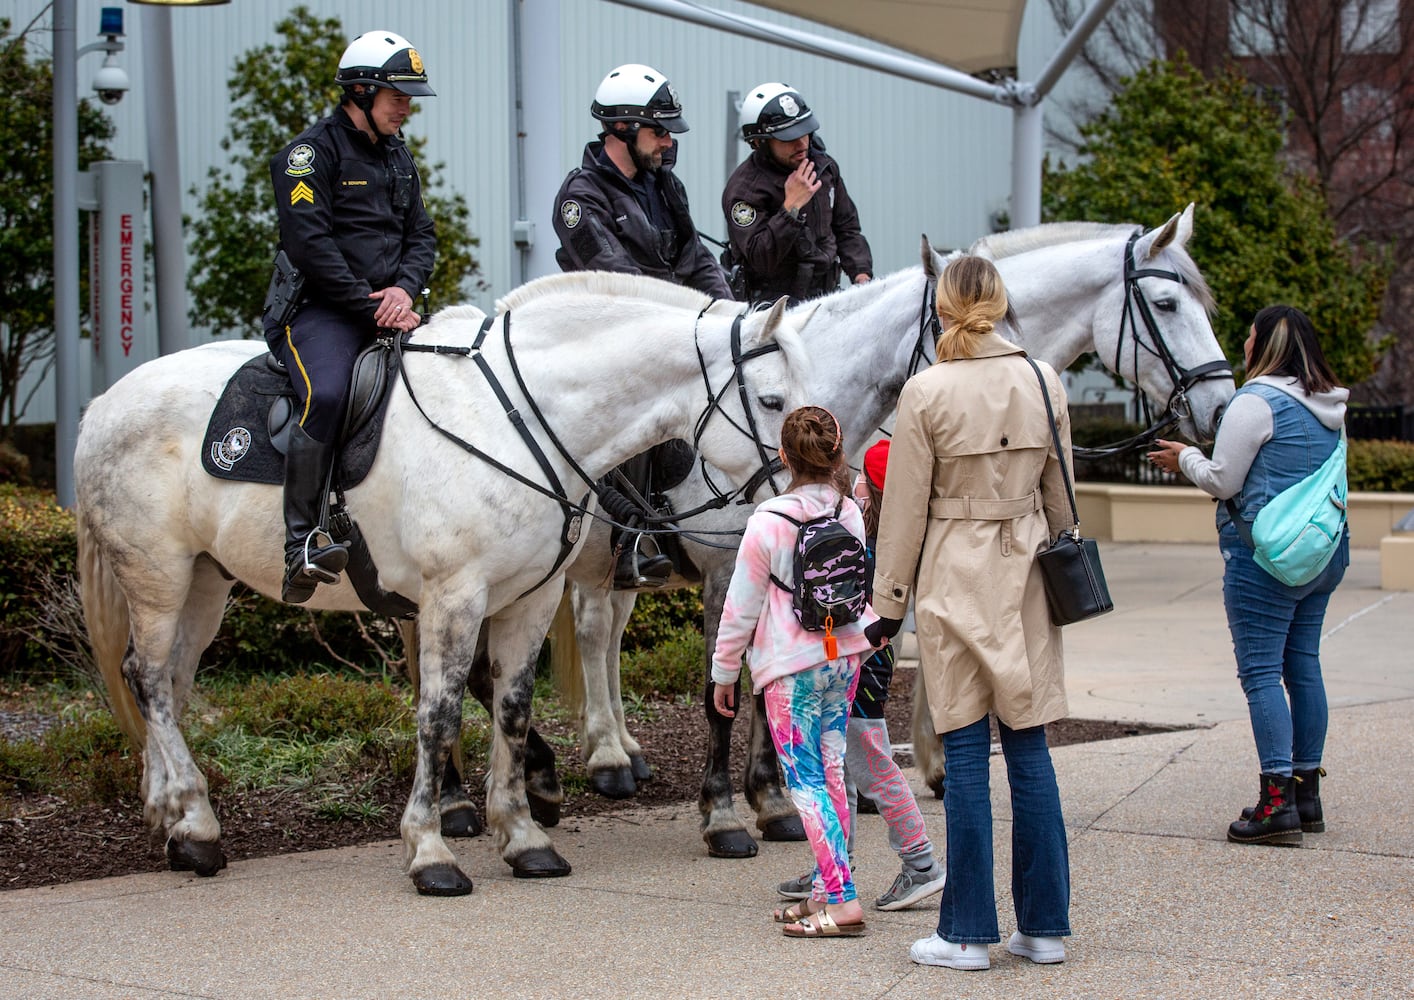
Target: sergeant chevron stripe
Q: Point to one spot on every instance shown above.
(301, 192)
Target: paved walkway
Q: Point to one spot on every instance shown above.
(1162, 907)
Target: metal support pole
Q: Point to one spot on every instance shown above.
(736, 149)
(541, 164)
(1027, 142)
(159, 94)
(66, 251)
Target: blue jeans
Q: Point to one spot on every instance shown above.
(1276, 637)
(1040, 857)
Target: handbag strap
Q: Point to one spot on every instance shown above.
(1055, 439)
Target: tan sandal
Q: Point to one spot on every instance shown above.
(794, 913)
(823, 925)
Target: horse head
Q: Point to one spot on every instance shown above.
(763, 375)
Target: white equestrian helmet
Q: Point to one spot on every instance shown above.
(776, 111)
(384, 59)
(637, 93)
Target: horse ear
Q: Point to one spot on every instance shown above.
(1152, 243)
(766, 332)
(932, 260)
(1185, 227)
(804, 314)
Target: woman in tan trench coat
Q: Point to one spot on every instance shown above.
(975, 491)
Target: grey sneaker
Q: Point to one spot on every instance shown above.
(911, 886)
(798, 887)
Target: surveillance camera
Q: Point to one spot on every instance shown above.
(111, 83)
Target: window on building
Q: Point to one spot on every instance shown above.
(1370, 26)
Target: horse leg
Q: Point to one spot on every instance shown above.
(608, 764)
(450, 621)
(623, 602)
(542, 785)
(515, 637)
(159, 667)
(722, 828)
(927, 744)
(776, 815)
(459, 815)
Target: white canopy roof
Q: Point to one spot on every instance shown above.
(970, 35)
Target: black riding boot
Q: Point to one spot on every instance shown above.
(1274, 820)
(1308, 801)
(635, 569)
(307, 562)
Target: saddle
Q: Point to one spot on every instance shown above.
(249, 432)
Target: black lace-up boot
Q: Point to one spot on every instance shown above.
(1274, 819)
(1308, 800)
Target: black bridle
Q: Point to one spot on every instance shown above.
(1176, 408)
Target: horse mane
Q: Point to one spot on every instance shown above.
(604, 283)
(1014, 242)
(465, 312)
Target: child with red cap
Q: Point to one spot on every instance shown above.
(869, 757)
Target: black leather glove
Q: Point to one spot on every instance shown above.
(885, 628)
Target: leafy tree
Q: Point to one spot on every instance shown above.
(277, 91)
(1262, 235)
(27, 214)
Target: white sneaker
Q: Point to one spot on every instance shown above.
(1042, 951)
(935, 951)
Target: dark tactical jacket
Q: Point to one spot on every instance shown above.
(602, 227)
(786, 256)
(351, 215)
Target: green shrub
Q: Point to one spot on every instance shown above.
(660, 615)
(36, 539)
(315, 706)
(1381, 466)
(86, 759)
(676, 666)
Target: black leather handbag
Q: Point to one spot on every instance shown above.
(1070, 566)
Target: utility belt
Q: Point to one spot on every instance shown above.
(286, 292)
(815, 279)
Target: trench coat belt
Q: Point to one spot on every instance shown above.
(974, 509)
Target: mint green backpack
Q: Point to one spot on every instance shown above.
(1296, 533)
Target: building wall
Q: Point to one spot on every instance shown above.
(917, 159)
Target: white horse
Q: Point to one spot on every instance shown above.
(600, 366)
(1136, 299)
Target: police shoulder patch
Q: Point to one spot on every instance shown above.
(300, 161)
(570, 213)
(743, 214)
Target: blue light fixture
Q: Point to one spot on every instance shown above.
(111, 21)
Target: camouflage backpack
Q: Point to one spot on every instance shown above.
(830, 571)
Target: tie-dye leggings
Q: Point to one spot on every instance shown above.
(807, 713)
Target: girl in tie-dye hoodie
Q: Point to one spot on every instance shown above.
(807, 694)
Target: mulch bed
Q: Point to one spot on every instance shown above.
(46, 841)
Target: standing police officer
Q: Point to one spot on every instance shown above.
(356, 245)
(792, 225)
(623, 209)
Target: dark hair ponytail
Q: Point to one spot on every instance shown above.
(814, 448)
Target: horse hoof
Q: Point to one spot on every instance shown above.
(785, 828)
(204, 857)
(730, 844)
(539, 862)
(937, 788)
(614, 783)
(441, 880)
(461, 821)
(543, 811)
(641, 771)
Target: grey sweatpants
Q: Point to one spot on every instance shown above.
(869, 768)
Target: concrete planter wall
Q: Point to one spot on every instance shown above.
(1122, 513)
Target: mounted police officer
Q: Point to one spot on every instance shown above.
(356, 246)
(792, 225)
(623, 209)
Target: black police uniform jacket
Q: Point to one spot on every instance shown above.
(602, 227)
(772, 246)
(351, 215)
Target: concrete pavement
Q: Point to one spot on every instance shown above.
(1162, 905)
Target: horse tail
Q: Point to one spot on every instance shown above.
(564, 656)
(105, 613)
